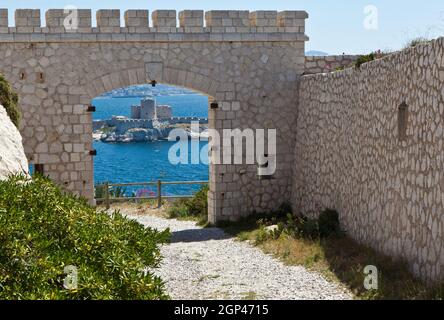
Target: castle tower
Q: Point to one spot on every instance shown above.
(135, 112)
(163, 112)
(148, 108)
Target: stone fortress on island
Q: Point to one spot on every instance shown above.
(148, 109)
(149, 122)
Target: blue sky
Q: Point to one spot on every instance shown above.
(333, 27)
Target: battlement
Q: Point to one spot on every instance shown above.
(187, 120)
(137, 22)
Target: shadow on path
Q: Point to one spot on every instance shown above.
(198, 235)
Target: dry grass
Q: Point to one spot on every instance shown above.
(343, 260)
(140, 209)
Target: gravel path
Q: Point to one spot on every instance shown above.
(209, 264)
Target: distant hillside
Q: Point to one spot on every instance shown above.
(147, 90)
(316, 53)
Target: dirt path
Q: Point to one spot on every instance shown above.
(209, 264)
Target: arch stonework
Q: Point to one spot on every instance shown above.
(249, 63)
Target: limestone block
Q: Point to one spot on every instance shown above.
(227, 18)
(263, 19)
(108, 18)
(3, 18)
(137, 18)
(191, 18)
(164, 18)
(27, 18)
(71, 19)
(292, 18)
(154, 71)
(12, 155)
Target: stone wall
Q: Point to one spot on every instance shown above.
(321, 64)
(244, 61)
(147, 109)
(369, 144)
(124, 124)
(163, 112)
(12, 156)
(185, 120)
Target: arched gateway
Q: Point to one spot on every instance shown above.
(248, 62)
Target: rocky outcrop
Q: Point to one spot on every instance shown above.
(123, 129)
(12, 155)
(136, 135)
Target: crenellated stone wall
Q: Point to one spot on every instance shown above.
(244, 61)
(322, 64)
(369, 143)
(163, 112)
(124, 124)
(194, 25)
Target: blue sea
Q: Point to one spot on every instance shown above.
(148, 161)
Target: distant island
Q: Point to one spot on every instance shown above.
(146, 90)
(316, 53)
(148, 122)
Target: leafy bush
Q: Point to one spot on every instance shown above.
(9, 100)
(43, 230)
(364, 59)
(415, 42)
(194, 208)
(263, 235)
(99, 191)
(117, 192)
(329, 224)
(370, 57)
(299, 227)
(114, 192)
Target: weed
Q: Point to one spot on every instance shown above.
(195, 208)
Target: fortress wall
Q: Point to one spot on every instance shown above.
(163, 112)
(193, 25)
(245, 62)
(321, 64)
(370, 144)
(179, 120)
(127, 124)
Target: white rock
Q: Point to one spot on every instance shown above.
(12, 155)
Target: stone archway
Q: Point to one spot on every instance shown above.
(248, 62)
(187, 79)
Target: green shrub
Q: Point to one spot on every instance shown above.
(43, 230)
(194, 208)
(364, 59)
(370, 57)
(114, 192)
(117, 192)
(301, 227)
(262, 235)
(99, 191)
(329, 224)
(415, 42)
(9, 100)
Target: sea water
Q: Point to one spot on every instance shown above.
(148, 161)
